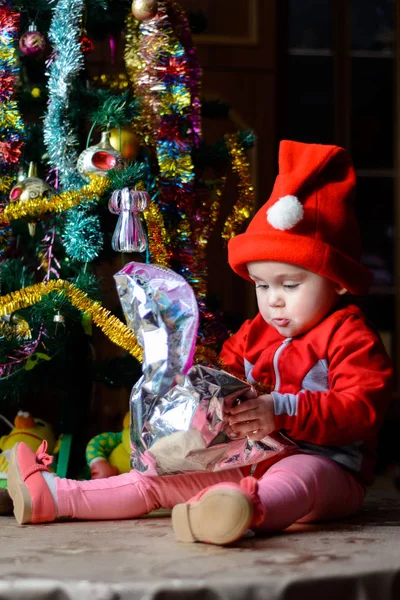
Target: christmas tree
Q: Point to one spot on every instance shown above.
(97, 166)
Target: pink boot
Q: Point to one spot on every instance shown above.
(33, 502)
(220, 514)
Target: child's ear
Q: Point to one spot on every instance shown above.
(340, 290)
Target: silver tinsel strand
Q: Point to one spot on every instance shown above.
(59, 136)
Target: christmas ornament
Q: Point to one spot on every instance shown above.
(129, 235)
(30, 188)
(32, 42)
(58, 317)
(99, 159)
(59, 320)
(125, 141)
(143, 10)
(87, 45)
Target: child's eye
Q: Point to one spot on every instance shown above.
(291, 286)
(261, 286)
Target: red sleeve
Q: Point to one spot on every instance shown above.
(232, 353)
(360, 382)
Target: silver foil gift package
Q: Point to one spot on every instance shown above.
(177, 407)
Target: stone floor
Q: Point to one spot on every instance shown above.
(140, 559)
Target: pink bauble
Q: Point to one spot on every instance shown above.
(32, 43)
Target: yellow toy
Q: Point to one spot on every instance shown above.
(108, 454)
(26, 429)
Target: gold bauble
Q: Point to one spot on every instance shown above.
(125, 141)
(143, 10)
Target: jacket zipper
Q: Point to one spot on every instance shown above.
(275, 362)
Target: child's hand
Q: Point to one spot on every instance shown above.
(101, 468)
(253, 418)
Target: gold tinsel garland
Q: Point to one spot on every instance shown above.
(210, 207)
(146, 121)
(19, 330)
(204, 355)
(10, 117)
(6, 183)
(202, 230)
(57, 203)
(7, 54)
(245, 204)
(114, 329)
(157, 235)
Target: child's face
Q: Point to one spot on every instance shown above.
(290, 298)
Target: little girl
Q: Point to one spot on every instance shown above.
(330, 375)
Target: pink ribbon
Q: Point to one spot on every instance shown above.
(41, 455)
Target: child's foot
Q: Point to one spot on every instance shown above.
(220, 515)
(31, 496)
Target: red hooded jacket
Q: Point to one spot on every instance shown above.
(331, 386)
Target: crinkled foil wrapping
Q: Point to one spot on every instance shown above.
(177, 410)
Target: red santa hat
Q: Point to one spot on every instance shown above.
(309, 220)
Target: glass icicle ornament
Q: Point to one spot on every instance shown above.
(129, 235)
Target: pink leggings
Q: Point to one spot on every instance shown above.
(300, 487)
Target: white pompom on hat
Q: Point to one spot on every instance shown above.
(309, 220)
(285, 213)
